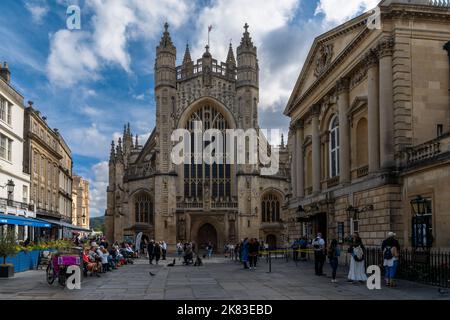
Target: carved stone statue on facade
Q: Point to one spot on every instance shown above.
(323, 59)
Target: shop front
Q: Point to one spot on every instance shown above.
(25, 228)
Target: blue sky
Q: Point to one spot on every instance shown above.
(90, 82)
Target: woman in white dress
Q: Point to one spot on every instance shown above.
(357, 270)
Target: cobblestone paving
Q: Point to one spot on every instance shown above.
(218, 279)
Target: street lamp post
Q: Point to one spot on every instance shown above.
(10, 191)
(421, 226)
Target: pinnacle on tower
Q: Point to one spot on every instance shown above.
(137, 142)
(230, 57)
(165, 63)
(112, 155)
(166, 40)
(207, 54)
(246, 45)
(282, 140)
(119, 154)
(187, 55)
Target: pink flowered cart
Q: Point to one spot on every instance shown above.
(60, 261)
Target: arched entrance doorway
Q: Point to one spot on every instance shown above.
(207, 233)
(271, 241)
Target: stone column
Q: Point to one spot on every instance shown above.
(294, 162)
(385, 49)
(371, 61)
(300, 160)
(315, 111)
(342, 88)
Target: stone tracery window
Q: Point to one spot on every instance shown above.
(270, 208)
(143, 208)
(216, 177)
(334, 147)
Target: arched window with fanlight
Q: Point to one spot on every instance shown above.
(143, 208)
(334, 147)
(216, 177)
(270, 208)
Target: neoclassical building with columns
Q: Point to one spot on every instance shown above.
(217, 203)
(370, 123)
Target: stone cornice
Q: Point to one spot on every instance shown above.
(428, 12)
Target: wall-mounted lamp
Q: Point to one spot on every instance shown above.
(353, 212)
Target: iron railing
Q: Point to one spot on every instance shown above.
(428, 266)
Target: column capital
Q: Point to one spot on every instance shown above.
(386, 47)
(370, 59)
(314, 110)
(342, 85)
(447, 48)
(298, 124)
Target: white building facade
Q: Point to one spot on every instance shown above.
(14, 183)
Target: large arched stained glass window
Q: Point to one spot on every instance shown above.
(143, 208)
(270, 207)
(215, 177)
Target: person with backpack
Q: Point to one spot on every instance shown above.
(357, 270)
(391, 250)
(303, 244)
(319, 254)
(333, 257)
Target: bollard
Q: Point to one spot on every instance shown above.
(270, 262)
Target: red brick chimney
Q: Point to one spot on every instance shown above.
(4, 72)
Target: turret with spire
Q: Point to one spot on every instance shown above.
(165, 66)
(247, 60)
(247, 80)
(165, 93)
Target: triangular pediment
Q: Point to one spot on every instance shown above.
(325, 51)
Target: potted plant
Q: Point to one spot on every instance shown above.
(8, 247)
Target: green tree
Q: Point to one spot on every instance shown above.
(8, 246)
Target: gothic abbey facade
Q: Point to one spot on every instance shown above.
(220, 203)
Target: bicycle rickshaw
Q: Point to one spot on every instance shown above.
(60, 261)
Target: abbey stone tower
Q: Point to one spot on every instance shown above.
(216, 203)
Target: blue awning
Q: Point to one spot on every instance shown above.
(63, 224)
(22, 221)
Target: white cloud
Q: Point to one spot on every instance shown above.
(264, 17)
(71, 58)
(229, 16)
(337, 11)
(38, 10)
(115, 23)
(98, 183)
(89, 142)
(139, 97)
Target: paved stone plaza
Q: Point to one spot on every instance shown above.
(218, 279)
